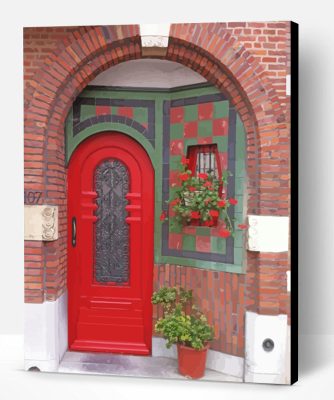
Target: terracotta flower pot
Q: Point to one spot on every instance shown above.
(191, 362)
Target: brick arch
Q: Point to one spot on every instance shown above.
(63, 75)
(89, 52)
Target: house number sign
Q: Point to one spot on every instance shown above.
(32, 197)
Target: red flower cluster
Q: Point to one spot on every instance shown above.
(214, 213)
(233, 202)
(184, 160)
(195, 215)
(242, 226)
(224, 233)
(208, 223)
(162, 216)
(184, 176)
(208, 185)
(203, 176)
(174, 202)
(221, 203)
(191, 188)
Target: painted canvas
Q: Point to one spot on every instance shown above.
(160, 200)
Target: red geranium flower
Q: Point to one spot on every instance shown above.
(203, 176)
(207, 184)
(214, 213)
(184, 176)
(184, 160)
(242, 226)
(233, 201)
(191, 188)
(162, 216)
(195, 215)
(221, 203)
(174, 202)
(224, 233)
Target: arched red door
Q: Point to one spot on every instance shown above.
(110, 245)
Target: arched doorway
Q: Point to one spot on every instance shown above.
(110, 268)
(224, 62)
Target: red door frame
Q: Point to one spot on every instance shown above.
(87, 300)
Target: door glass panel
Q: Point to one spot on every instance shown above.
(111, 230)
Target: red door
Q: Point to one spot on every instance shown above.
(110, 246)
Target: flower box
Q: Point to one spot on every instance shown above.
(198, 222)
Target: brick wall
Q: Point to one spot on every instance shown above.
(220, 295)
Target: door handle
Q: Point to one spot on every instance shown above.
(74, 231)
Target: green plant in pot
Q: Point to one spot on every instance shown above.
(186, 326)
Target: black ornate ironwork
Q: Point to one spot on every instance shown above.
(111, 230)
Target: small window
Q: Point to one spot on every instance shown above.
(204, 159)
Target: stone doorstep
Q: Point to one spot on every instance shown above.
(131, 366)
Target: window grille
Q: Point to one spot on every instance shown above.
(204, 159)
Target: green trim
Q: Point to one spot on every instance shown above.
(158, 176)
(195, 86)
(104, 127)
(240, 255)
(189, 262)
(180, 94)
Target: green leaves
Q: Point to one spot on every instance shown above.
(182, 321)
(165, 295)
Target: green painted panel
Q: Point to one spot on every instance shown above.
(191, 113)
(203, 231)
(140, 114)
(205, 128)
(222, 144)
(175, 228)
(239, 185)
(239, 238)
(218, 245)
(220, 109)
(189, 142)
(176, 131)
(87, 111)
(174, 162)
(189, 242)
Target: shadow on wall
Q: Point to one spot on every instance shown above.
(316, 352)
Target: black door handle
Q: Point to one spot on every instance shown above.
(74, 231)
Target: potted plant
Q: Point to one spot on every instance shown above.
(199, 199)
(186, 326)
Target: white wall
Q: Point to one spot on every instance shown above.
(145, 73)
(316, 130)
